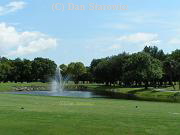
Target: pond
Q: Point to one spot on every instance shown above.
(80, 94)
(66, 93)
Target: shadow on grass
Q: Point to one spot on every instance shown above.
(139, 90)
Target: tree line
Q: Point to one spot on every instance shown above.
(18, 70)
(149, 67)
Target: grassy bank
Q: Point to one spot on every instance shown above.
(11, 86)
(135, 93)
(143, 94)
(29, 115)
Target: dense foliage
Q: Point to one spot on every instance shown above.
(39, 69)
(150, 67)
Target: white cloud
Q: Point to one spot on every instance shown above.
(153, 43)
(175, 41)
(14, 43)
(103, 44)
(12, 7)
(110, 48)
(113, 47)
(129, 43)
(34, 47)
(139, 37)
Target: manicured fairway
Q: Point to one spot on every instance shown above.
(73, 116)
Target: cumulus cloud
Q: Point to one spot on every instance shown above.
(14, 43)
(12, 7)
(130, 42)
(139, 37)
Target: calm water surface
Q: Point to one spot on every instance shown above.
(66, 93)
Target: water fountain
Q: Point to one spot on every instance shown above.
(57, 82)
(57, 89)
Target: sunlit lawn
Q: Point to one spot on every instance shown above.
(40, 115)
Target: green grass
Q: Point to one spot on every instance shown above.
(150, 94)
(140, 93)
(171, 88)
(74, 116)
(9, 86)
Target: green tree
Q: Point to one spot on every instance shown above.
(64, 69)
(169, 70)
(17, 69)
(116, 65)
(143, 68)
(43, 69)
(155, 52)
(5, 70)
(87, 76)
(175, 56)
(102, 72)
(26, 72)
(76, 70)
(93, 65)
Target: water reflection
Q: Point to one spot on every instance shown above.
(68, 93)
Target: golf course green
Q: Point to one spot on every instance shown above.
(43, 115)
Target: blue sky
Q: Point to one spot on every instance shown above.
(30, 29)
